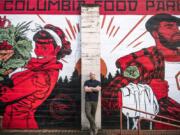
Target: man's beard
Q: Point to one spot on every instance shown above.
(173, 45)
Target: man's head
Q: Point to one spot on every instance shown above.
(92, 75)
(164, 27)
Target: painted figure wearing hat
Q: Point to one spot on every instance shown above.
(33, 85)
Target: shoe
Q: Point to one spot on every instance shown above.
(91, 132)
(96, 131)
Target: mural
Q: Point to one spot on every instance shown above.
(23, 92)
(149, 77)
(61, 109)
(40, 73)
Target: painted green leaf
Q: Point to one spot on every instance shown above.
(1, 78)
(131, 72)
(24, 48)
(11, 33)
(14, 63)
(7, 34)
(16, 36)
(2, 70)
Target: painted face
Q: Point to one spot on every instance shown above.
(44, 50)
(169, 34)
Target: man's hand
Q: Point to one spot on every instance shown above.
(92, 89)
(96, 89)
(88, 89)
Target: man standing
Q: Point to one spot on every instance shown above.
(91, 88)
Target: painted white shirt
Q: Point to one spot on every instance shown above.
(140, 97)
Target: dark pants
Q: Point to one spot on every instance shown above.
(90, 109)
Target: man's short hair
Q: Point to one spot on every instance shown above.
(92, 73)
(153, 23)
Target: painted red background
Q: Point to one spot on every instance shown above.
(106, 6)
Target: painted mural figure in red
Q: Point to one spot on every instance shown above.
(156, 66)
(33, 85)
